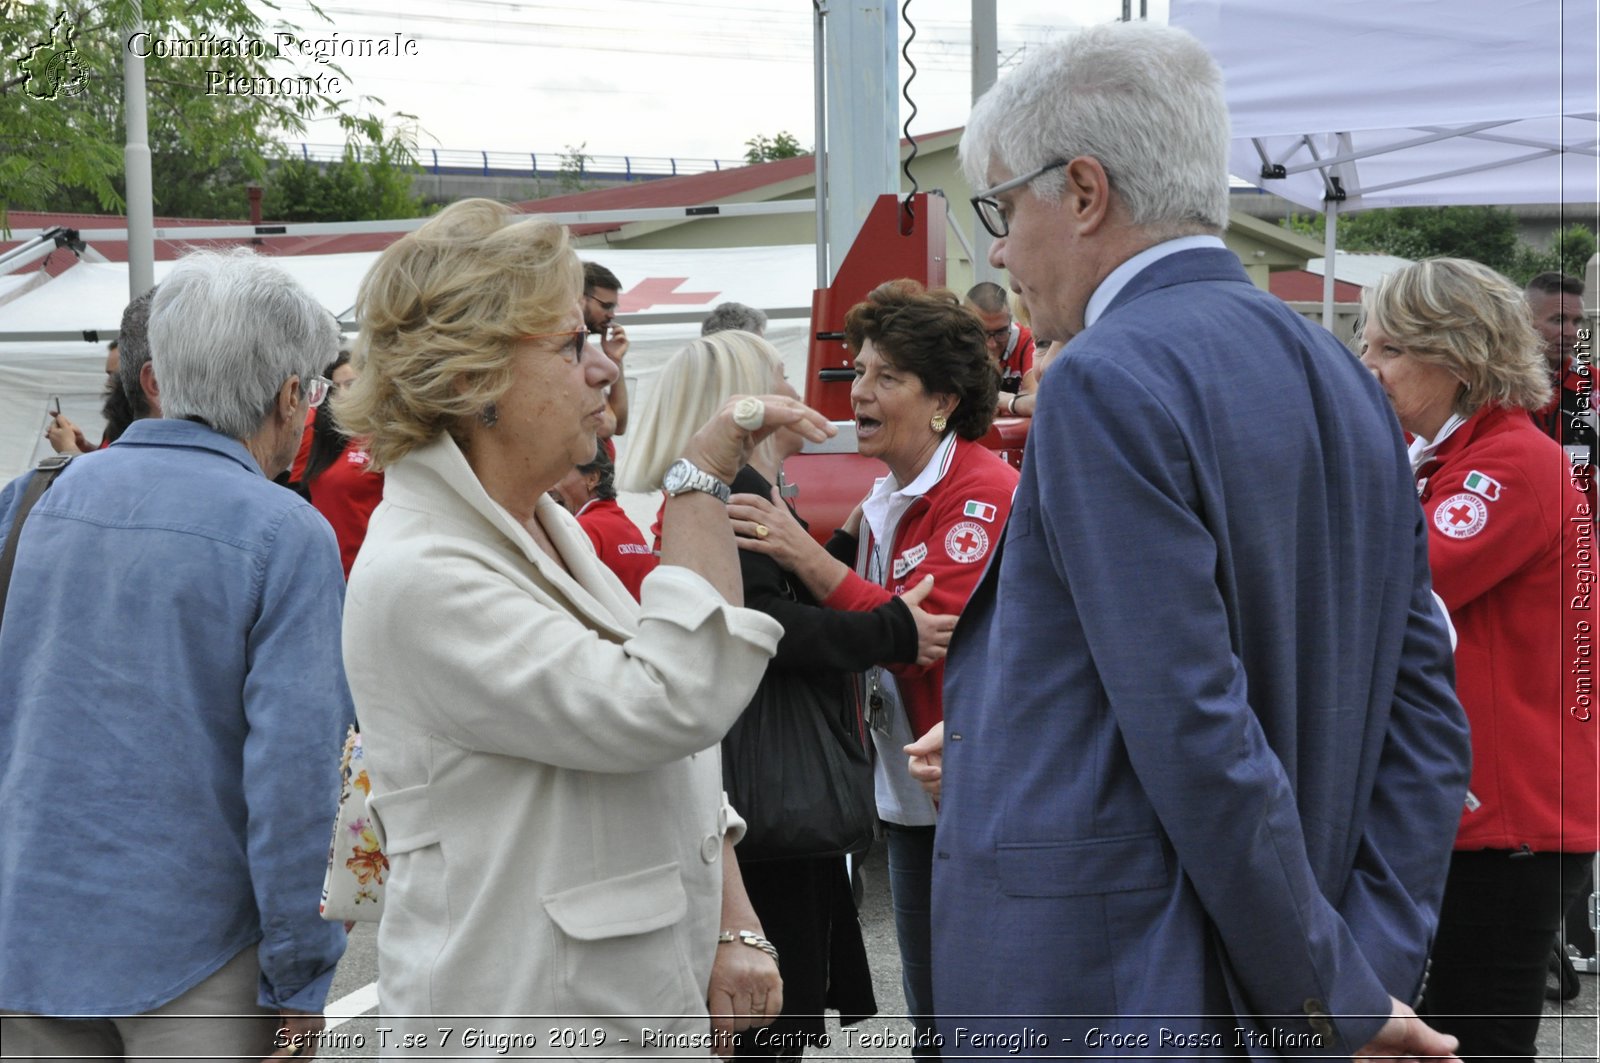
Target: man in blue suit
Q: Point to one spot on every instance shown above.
(1203, 763)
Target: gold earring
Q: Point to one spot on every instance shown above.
(937, 423)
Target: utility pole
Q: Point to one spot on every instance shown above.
(985, 69)
(136, 171)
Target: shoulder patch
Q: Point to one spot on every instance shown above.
(966, 543)
(1461, 516)
(981, 510)
(1479, 484)
(910, 559)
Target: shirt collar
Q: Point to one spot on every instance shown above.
(932, 473)
(1118, 278)
(888, 501)
(1422, 450)
(176, 432)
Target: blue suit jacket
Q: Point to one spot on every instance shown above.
(1203, 757)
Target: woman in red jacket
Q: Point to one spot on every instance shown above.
(589, 492)
(1511, 546)
(334, 476)
(924, 394)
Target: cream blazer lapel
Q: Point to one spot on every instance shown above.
(595, 593)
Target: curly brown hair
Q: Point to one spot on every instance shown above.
(928, 333)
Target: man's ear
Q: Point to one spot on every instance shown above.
(1087, 194)
(147, 383)
(289, 396)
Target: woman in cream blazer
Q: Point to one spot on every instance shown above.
(542, 749)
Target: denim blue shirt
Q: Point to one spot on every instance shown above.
(172, 702)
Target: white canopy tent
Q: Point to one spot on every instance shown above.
(1378, 103)
(37, 365)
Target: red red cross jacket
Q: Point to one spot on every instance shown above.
(346, 493)
(1511, 545)
(948, 533)
(1017, 360)
(618, 542)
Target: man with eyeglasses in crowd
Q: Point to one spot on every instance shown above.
(1010, 345)
(174, 699)
(601, 292)
(1202, 761)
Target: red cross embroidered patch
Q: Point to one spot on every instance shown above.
(1461, 516)
(966, 542)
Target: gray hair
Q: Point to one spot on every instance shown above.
(1144, 99)
(227, 330)
(734, 317)
(133, 351)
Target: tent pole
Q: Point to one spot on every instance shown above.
(1331, 225)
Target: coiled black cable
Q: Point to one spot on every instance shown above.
(907, 212)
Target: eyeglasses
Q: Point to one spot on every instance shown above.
(572, 350)
(609, 308)
(317, 390)
(997, 335)
(992, 214)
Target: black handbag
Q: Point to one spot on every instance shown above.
(796, 767)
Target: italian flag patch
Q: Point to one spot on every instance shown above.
(982, 510)
(1479, 484)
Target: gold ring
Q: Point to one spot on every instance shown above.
(762, 531)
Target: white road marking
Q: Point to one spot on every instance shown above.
(360, 1002)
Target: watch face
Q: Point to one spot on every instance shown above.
(677, 476)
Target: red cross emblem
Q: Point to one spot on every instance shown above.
(1461, 516)
(660, 291)
(966, 542)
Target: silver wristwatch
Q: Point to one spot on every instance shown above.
(684, 475)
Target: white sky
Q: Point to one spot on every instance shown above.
(683, 78)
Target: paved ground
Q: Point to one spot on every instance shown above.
(1568, 1032)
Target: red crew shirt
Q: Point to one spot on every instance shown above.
(618, 542)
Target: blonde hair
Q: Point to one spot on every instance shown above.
(440, 312)
(1463, 316)
(692, 386)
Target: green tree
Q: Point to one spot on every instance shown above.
(62, 130)
(1485, 234)
(783, 146)
(1568, 251)
(363, 186)
(574, 165)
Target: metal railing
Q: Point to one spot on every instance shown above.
(549, 164)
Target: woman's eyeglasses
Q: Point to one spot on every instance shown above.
(572, 350)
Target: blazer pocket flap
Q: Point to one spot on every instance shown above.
(404, 819)
(1074, 869)
(617, 907)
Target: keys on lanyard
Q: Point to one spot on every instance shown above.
(877, 708)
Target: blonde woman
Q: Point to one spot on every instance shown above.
(1510, 545)
(542, 748)
(803, 898)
